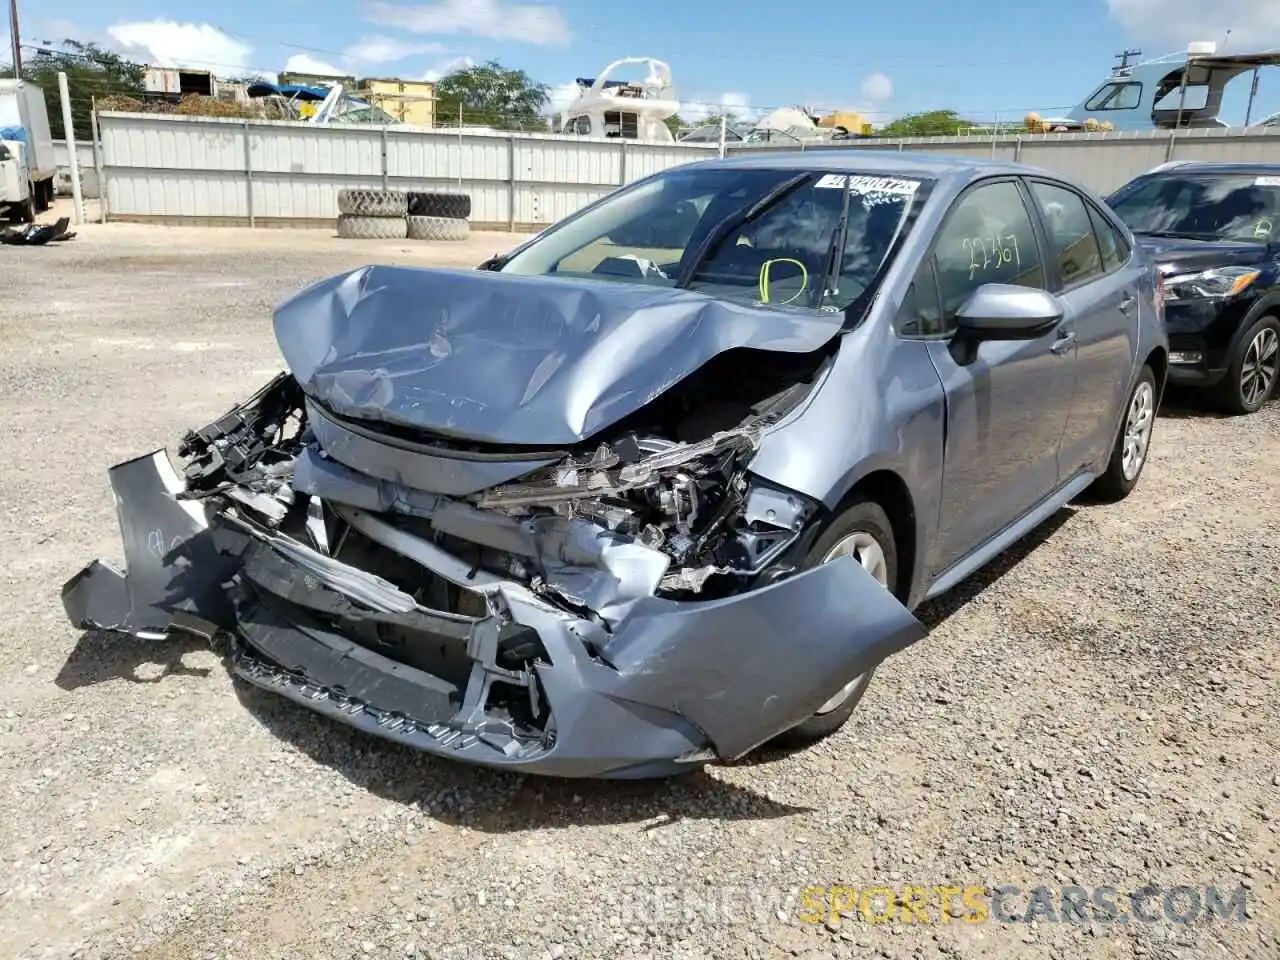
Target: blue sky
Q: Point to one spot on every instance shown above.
(1001, 57)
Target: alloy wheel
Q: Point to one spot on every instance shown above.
(1137, 429)
(1260, 366)
(866, 549)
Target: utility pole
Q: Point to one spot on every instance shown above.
(13, 39)
(1124, 58)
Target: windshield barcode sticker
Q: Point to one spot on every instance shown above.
(1267, 182)
(863, 185)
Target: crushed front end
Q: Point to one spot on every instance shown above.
(509, 521)
(621, 611)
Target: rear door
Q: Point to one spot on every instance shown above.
(1007, 408)
(1087, 258)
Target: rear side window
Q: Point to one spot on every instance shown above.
(1115, 251)
(1070, 231)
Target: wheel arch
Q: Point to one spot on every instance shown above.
(887, 488)
(1158, 361)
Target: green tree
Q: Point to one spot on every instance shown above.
(933, 123)
(91, 72)
(674, 124)
(489, 95)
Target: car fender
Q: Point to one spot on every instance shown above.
(855, 425)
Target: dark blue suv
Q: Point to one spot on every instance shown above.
(1214, 231)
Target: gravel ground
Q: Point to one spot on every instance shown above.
(1098, 710)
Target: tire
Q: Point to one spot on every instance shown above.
(438, 228)
(372, 228)
(372, 203)
(866, 518)
(454, 206)
(1254, 369)
(24, 212)
(1136, 427)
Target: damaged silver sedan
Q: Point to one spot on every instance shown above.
(666, 481)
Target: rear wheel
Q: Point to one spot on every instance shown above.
(1129, 454)
(1254, 369)
(863, 531)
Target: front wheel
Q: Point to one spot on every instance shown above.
(863, 531)
(1253, 372)
(1129, 453)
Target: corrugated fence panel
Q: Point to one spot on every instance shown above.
(576, 161)
(263, 172)
(644, 159)
(172, 193)
(543, 204)
(313, 150)
(437, 156)
(88, 175)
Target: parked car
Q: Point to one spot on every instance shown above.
(600, 509)
(1214, 231)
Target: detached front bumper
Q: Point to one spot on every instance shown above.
(673, 686)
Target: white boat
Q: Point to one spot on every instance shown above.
(632, 110)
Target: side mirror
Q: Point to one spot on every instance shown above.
(1004, 311)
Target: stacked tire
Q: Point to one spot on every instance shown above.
(439, 216)
(372, 215)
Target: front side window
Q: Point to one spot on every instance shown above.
(694, 224)
(987, 238)
(1116, 96)
(1202, 206)
(1070, 232)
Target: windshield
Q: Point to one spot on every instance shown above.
(1203, 207)
(658, 230)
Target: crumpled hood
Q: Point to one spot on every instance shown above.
(509, 359)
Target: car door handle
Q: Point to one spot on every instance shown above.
(1128, 303)
(1064, 343)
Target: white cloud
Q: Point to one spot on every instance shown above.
(698, 108)
(561, 95)
(1254, 24)
(167, 43)
(876, 88)
(305, 63)
(382, 49)
(449, 66)
(538, 24)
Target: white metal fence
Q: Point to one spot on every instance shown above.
(216, 171)
(280, 173)
(1102, 161)
(88, 175)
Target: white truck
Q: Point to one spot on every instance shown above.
(28, 169)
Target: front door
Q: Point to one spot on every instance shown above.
(1007, 407)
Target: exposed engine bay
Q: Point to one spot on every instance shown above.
(664, 506)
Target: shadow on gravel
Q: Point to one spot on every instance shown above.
(936, 612)
(99, 656)
(1180, 403)
(495, 801)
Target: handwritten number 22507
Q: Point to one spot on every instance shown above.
(994, 251)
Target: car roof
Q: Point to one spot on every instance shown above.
(1222, 166)
(888, 162)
